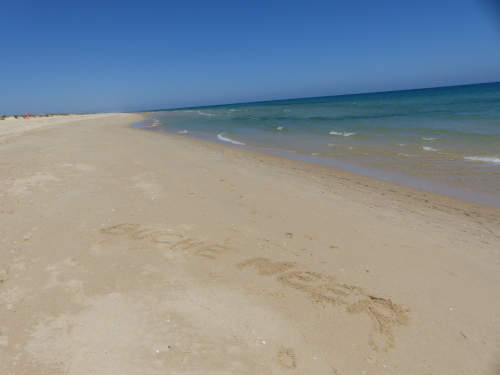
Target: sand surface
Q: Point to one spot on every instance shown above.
(125, 251)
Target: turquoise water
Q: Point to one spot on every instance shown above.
(449, 134)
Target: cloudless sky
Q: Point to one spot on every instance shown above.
(108, 55)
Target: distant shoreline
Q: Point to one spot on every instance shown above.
(27, 117)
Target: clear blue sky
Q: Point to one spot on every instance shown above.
(108, 55)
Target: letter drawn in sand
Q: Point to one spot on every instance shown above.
(173, 241)
(136, 232)
(120, 229)
(324, 289)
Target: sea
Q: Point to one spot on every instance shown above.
(443, 139)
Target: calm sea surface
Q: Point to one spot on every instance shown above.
(449, 135)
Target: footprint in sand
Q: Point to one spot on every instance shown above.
(286, 357)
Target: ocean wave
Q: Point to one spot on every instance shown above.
(340, 146)
(483, 158)
(222, 138)
(344, 134)
(428, 139)
(182, 132)
(458, 134)
(429, 148)
(279, 128)
(206, 114)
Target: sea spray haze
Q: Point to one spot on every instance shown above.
(449, 134)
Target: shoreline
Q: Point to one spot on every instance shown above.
(378, 174)
(402, 192)
(127, 252)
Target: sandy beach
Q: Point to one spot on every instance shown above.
(126, 251)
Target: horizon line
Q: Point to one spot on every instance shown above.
(310, 97)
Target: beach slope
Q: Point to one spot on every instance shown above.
(127, 251)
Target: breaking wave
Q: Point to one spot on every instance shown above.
(483, 158)
(344, 134)
(226, 139)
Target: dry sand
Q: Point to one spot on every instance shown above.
(125, 251)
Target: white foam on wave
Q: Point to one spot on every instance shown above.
(344, 134)
(483, 158)
(153, 124)
(226, 139)
(182, 131)
(206, 114)
(428, 139)
(429, 148)
(279, 127)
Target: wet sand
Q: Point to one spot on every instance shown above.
(128, 251)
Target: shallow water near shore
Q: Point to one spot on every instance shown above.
(445, 140)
